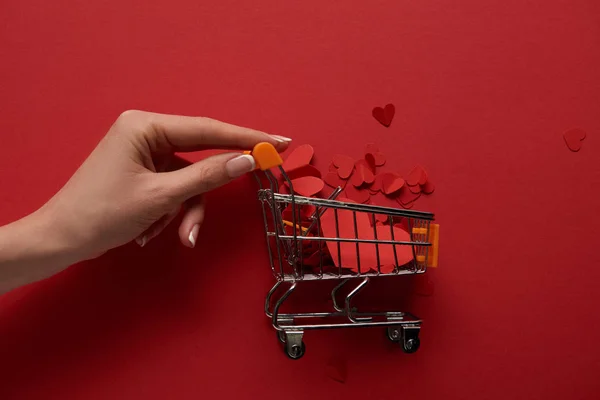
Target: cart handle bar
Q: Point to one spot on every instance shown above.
(265, 156)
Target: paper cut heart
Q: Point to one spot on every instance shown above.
(299, 157)
(384, 115)
(362, 174)
(307, 185)
(415, 189)
(416, 176)
(407, 198)
(367, 251)
(391, 183)
(428, 187)
(357, 195)
(344, 164)
(365, 163)
(377, 183)
(305, 170)
(573, 138)
(332, 179)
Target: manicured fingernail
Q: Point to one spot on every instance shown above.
(142, 241)
(194, 235)
(240, 165)
(281, 139)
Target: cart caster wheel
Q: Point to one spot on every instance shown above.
(410, 339)
(393, 334)
(281, 337)
(295, 352)
(411, 345)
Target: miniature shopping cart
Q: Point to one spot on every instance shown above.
(292, 223)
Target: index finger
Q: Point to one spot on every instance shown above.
(183, 134)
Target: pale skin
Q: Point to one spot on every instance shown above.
(129, 188)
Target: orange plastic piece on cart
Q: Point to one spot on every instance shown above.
(434, 239)
(249, 153)
(266, 156)
(291, 225)
(419, 231)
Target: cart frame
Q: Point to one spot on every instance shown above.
(286, 259)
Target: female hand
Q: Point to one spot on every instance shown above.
(130, 187)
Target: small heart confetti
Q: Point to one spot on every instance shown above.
(384, 115)
(573, 138)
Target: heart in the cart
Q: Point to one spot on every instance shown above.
(348, 253)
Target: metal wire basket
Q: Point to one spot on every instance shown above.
(344, 247)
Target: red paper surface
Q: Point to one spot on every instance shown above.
(484, 91)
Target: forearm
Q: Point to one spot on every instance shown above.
(31, 250)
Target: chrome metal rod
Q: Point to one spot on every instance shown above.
(353, 240)
(334, 294)
(319, 211)
(359, 324)
(353, 206)
(397, 315)
(268, 299)
(377, 243)
(351, 296)
(279, 303)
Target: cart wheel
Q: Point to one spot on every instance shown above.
(410, 339)
(393, 334)
(281, 336)
(411, 345)
(295, 352)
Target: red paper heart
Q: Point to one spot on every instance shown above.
(370, 160)
(415, 189)
(299, 157)
(424, 177)
(573, 138)
(344, 164)
(376, 186)
(384, 115)
(362, 174)
(357, 195)
(406, 198)
(332, 179)
(391, 183)
(427, 188)
(365, 163)
(304, 170)
(373, 150)
(416, 175)
(307, 185)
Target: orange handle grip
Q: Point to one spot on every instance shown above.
(265, 156)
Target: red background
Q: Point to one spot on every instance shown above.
(483, 91)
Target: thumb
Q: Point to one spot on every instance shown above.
(208, 174)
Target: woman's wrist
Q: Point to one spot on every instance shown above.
(33, 248)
